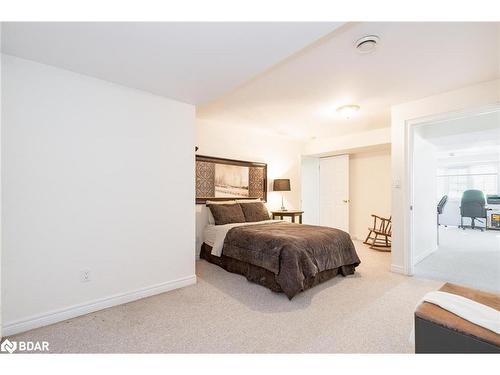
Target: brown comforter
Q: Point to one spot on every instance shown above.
(293, 252)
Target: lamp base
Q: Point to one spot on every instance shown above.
(283, 208)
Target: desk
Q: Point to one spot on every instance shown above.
(451, 214)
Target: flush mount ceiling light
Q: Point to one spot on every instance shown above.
(348, 111)
(367, 44)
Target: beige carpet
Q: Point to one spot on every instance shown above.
(466, 257)
(370, 311)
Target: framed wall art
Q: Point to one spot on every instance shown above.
(226, 179)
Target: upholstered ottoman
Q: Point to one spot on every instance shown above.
(439, 331)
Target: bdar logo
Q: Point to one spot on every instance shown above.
(8, 346)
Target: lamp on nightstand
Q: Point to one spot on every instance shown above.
(281, 184)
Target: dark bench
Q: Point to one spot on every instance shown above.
(440, 331)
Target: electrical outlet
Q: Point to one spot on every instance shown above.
(85, 276)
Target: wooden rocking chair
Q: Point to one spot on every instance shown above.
(379, 237)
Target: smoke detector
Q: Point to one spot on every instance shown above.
(367, 44)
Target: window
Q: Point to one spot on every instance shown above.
(453, 181)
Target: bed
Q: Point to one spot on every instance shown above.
(282, 256)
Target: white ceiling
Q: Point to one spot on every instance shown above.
(298, 97)
(190, 62)
(471, 131)
(468, 139)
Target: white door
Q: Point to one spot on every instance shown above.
(334, 192)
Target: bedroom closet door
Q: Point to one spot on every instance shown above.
(334, 192)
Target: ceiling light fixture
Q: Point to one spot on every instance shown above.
(367, 44)
(348, 111)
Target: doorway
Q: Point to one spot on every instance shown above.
(325, 191)
(334, 192)
(367, 187)
(452, 158)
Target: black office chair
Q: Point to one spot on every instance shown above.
(441, 204)
(473, 205)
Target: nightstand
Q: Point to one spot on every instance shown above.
(289, 213)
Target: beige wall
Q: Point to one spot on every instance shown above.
(370, 189)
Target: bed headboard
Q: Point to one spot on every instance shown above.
(219, 179)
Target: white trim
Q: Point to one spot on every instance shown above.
(410, 126)
(424, 255)
(56, 316)
(397, 269)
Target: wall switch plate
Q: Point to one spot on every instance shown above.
(85, 276)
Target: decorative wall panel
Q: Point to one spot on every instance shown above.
(225, 179)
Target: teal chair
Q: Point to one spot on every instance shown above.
(473, 205)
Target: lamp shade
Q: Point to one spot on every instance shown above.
(281, 184)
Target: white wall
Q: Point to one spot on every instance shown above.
(96, 177)
(231, 141)
(370, 189)
(310, 190)
(424, 198)
(483, 94)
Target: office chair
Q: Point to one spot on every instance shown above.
(440, 209)
(473, 206)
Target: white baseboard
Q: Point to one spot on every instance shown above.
(56, 316)
(397, 269)
(424, 255)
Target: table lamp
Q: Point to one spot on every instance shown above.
(281, 184)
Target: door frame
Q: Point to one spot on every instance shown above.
(410, 127)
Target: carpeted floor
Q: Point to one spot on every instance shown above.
(369, 312)
(467, 257)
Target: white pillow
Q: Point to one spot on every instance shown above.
(211, 219)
